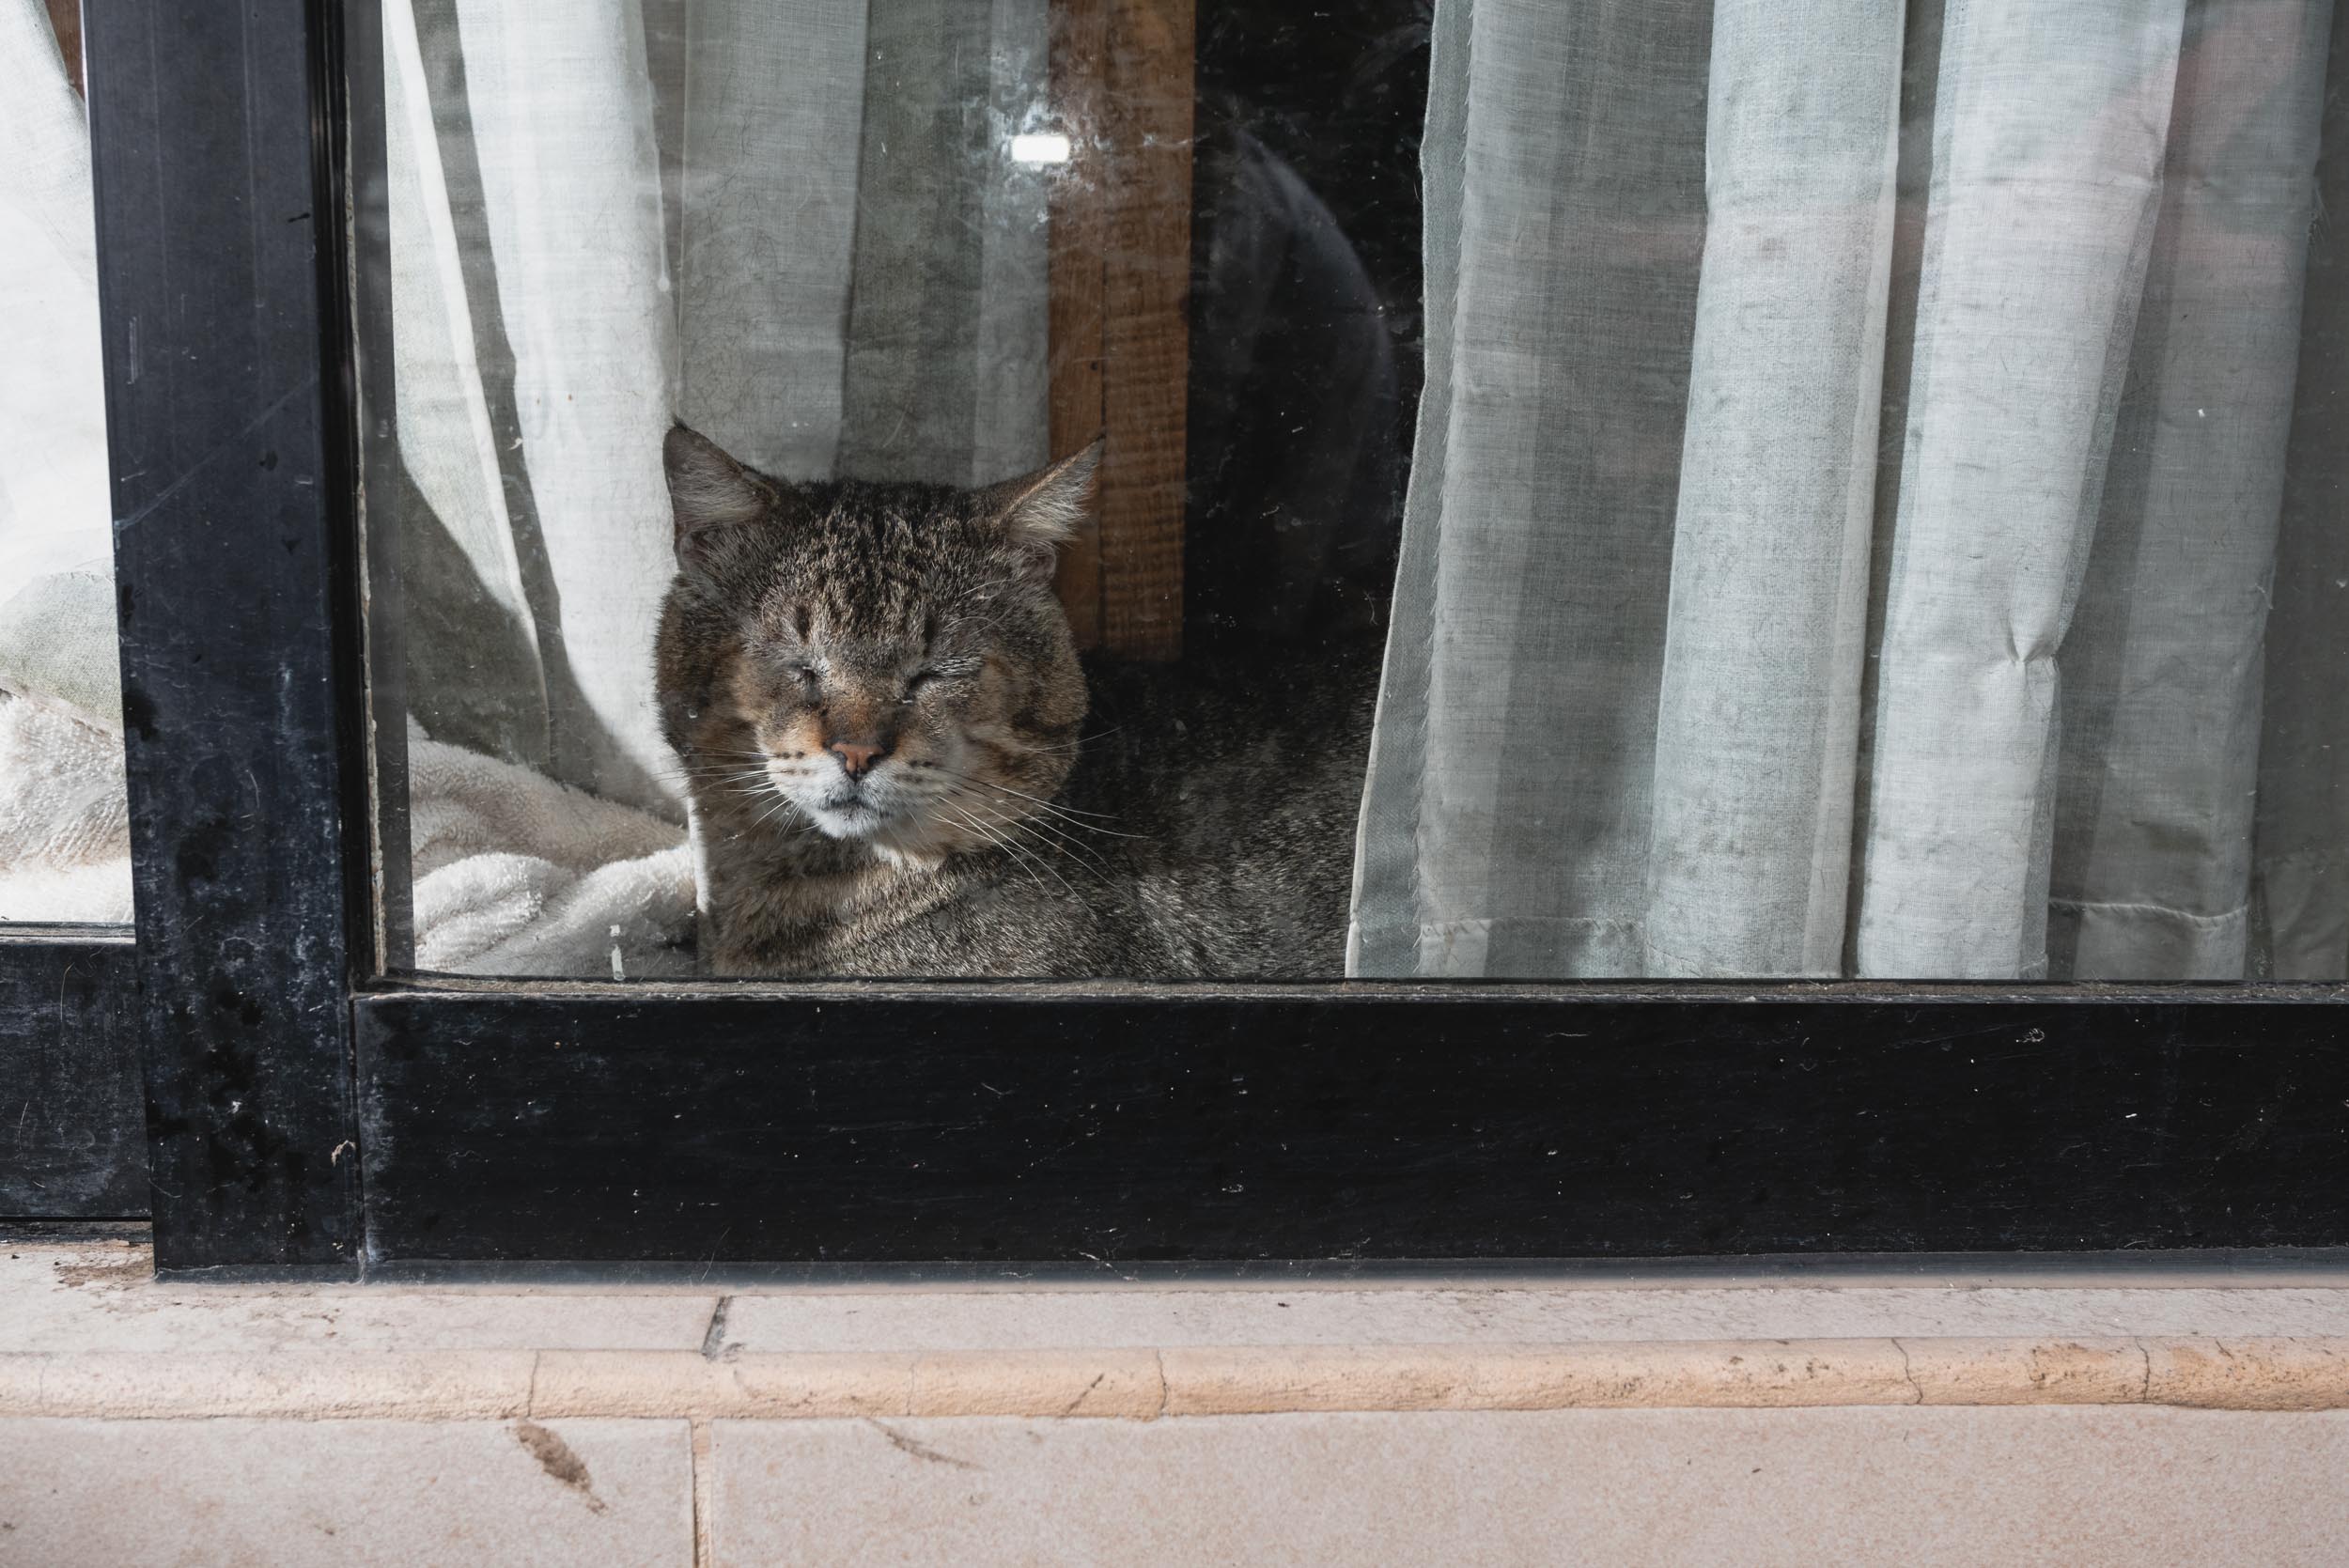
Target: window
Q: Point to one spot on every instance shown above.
(71, 1144)
(1693, 793)
(950, 310)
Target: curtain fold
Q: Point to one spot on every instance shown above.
(945, 373)
(561, 106)
(496, 697)
(1757, 723)
(2300, 903)
(1930, 646)
(1382, 932)
(760, 106)
(1575, 254)
(2048, 147)
(2161, 744)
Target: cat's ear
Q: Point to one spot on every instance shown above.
(1040, 512)
(708, 493)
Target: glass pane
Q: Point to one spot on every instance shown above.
(1842, 493)
(64, 839)
(954, 309)
(1888, 523)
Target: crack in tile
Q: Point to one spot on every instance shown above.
(1909, 1374)
(918, 1448)
(714, 1337)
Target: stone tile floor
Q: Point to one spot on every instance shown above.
(346, 1425)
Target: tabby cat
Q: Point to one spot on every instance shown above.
(897, 766)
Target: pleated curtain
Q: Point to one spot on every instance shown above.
(793, 223)
(1845, 526)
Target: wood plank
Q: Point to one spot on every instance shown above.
(1079, 221)
(65, 16)
(1147, 120)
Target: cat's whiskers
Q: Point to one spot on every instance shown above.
(1072, 745)
(783, 808)
(984, 835)
(731, 776)
(1069, 815)
(1045, 837)
(690, 776)
(1026, 858)
(745, 783)
(1042, 801)
(711, 770)
(963, 776)
(934, 790)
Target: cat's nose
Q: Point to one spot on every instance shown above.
(856, 757)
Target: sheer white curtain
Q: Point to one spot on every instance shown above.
(56, 509)
(795, 225)
(1846, 492)
(62, 807)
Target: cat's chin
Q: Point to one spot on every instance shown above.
(890, 836)
(852, 821)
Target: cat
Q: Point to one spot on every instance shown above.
(898, 765)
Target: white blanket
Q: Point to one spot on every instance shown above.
(65, 843)
(514, 873)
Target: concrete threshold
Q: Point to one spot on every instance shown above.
(86, 1332)
(1151, 1384)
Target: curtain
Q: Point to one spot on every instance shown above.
(795, 225)
(64, 825)
(56, 509)
(2300, 905)
(1851, 473)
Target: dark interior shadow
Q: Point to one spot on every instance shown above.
(471, 663)
(1306, 344)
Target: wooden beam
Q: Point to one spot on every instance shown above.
(1078, 213)
(66, 17)
(1145, 344)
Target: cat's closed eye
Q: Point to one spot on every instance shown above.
(947, 670)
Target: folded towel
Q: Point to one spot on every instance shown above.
(515, 874)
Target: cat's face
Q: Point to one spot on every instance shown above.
(875, 662)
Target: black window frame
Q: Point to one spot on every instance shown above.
(304, 1115)
(73, 1128)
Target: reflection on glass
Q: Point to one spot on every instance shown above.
(886, 486)
(64, 844)
(925, 704)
